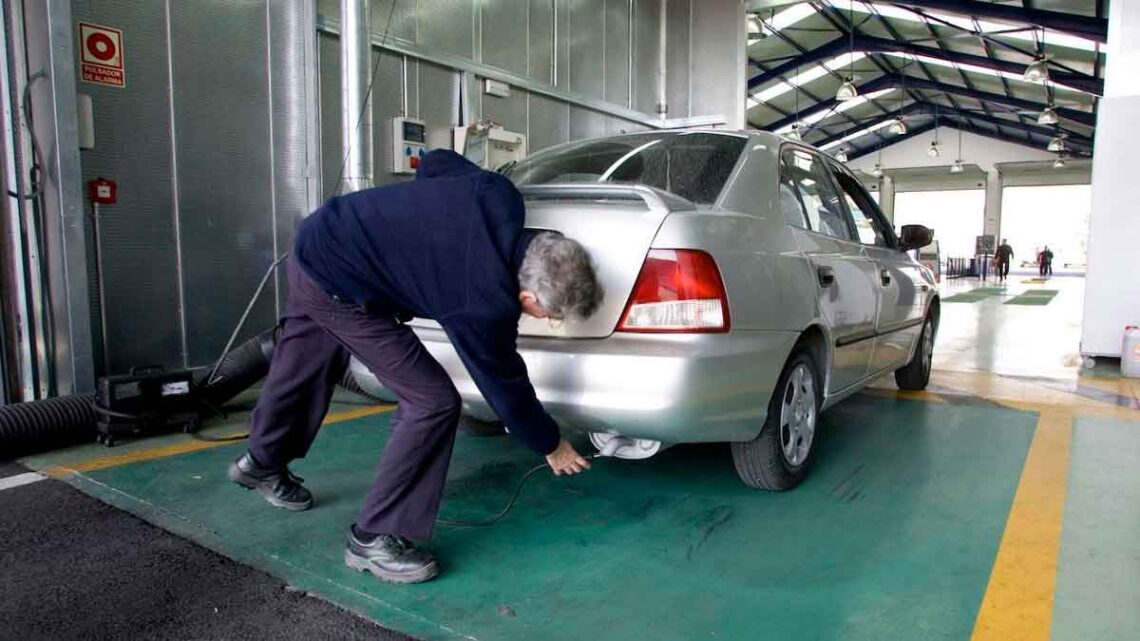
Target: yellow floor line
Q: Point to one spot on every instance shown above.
(185, 447)
(1018, 603)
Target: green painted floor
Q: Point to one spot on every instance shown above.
(891, 537)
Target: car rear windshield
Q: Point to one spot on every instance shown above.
(692, 165)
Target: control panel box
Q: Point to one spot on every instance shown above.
(409, 144)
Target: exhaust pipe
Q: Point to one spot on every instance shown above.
(356, 99)
(625, 447)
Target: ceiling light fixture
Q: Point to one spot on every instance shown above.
(934, 151)
(1037, 71)
(1048, 117)
(841, 155)
(877, 171)
(957, 167)
(847, 90)
(1057, 143)
(1059, 162)
(898, 127)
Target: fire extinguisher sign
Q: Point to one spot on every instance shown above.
(101, 55)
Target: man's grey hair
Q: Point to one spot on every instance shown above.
(560, 273)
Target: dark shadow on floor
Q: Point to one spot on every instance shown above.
(75, 568)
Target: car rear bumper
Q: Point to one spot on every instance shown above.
(674, 389)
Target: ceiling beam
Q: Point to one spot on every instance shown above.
(870, 44)
(893, 80)
(907, 110)
(825, 51)
(1034, 129)
(923, 108)
(1085, 118)
(1081, 82)
(1070, 23)
(857, 152)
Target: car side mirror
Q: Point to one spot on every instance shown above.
(915, 237)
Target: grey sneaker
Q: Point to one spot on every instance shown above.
(280, 488)
(390, 558)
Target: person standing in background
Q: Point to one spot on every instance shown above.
(1047, 262)
(1002, 257)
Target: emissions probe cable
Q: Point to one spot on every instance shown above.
(498, 516)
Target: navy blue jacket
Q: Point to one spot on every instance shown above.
(446, 246)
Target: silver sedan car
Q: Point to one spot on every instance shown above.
(751, 282)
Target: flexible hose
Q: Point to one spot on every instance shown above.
(46, 424)
(238, 369)
(348, 382)
(491, 520)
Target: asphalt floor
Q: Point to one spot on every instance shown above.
(77, 568)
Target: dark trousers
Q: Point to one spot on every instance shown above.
(312, 353)
(1003, 269)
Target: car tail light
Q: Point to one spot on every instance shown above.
(678, 290)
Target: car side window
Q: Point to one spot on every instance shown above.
(868, 224)
(806, 176)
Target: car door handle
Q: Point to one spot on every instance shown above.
(886, 276)
(826, 276)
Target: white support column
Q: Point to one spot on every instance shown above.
(1112, 290)
(991, 224)
(887, 197)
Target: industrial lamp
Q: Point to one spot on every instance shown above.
(933, 152)
(1037, 71)
(841, 155)
(957, 167)
(847, 91)
(898, 127)
(1057, 143)
(1059, 162)
(1048, 117)
(877, 170)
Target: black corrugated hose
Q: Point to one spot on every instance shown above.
(46, 424)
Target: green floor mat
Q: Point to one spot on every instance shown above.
(1034, 297)
(966, 297)
(891, 537)
(988, 290)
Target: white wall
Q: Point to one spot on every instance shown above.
(1112, 291)
(976, 150)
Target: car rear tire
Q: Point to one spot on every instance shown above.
(915, 375)
(778, 459)
(476, 427)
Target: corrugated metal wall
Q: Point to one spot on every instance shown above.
(207, 143)
(587, 52)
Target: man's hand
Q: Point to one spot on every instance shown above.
(566, 460)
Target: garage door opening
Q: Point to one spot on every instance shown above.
(1053, 215)
(955, 216)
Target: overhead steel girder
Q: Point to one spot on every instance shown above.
(1036, 130)
(930, 109)
(882, 82)
(857, 152)
(1070, 23)
(967, 126)
(907, 110)
(870, 44)
(895, 80)
(825, 51)
(1085, 118)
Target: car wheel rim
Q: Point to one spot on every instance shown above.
(927, 347)
(798, 415)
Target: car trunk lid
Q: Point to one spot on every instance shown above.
(616, 224)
